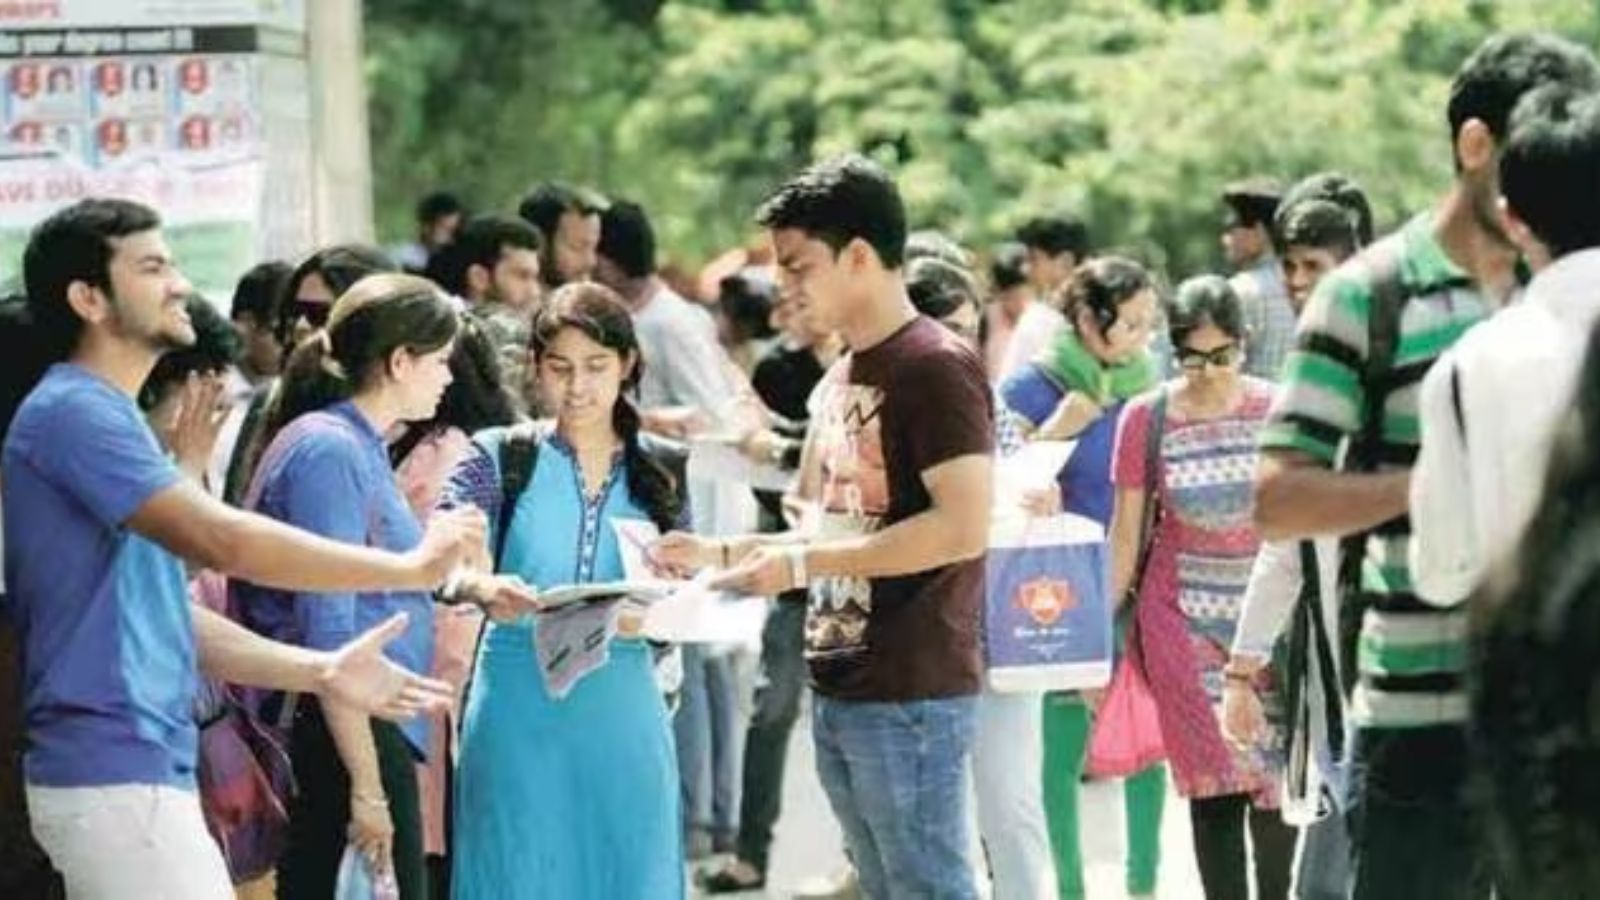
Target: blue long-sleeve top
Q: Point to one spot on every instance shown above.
(328, 472)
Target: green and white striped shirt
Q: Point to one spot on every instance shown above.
(1412, 655)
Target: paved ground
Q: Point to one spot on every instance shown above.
(808, 844)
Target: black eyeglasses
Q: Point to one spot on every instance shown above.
(315, 312)
(1222, 357)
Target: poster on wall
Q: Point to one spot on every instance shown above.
(159, 101)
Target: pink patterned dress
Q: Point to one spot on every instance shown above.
(455, 629)
(1189, 600)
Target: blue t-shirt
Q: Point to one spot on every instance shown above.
(108, 643)
(328, 472)
(1086, 478)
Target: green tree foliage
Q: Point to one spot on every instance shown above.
(1132, 115)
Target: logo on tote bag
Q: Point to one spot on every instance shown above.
(1045, 600)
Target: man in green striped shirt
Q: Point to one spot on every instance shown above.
(1412, 833)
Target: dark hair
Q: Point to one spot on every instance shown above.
(747, 302)
(26, 357)
(1252, 201)
(259, 290)
(925, 242)
(1506, 66)
(215, 349)
(340, 267)
(1202, 300)
(377, 316)
(476, 398)
(1550, 168)
(938, 289)
(1535, 677)
(438, 205)
(1102, 285)
(1055, 235)
(481, 242)
(599, 314)
(627, 239)
(1329, 187)
(840, 200)
(1009, 266)
(1317, 223)
(547, 203)
(71, 245)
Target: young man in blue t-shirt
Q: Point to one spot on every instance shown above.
(98, 524)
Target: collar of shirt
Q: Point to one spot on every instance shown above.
(1570, 288)
(1425, 265)
(347, 410)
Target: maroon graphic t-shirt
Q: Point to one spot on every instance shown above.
(880, 419)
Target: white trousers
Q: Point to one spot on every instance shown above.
(129, 841)
(1007, 767)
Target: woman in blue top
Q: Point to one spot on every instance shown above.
(1074, 391)
(382, 359)
(573, 796)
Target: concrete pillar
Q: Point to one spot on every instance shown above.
(340, 151)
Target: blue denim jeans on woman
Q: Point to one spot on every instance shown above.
(896, 776)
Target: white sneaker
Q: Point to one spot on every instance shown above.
(841, 885)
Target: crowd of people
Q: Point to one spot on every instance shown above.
(277, 595)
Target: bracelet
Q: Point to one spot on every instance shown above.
(798, 576)
(1235, 675)
(379, 802)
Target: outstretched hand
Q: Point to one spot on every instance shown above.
(452, 537)
(358, 675)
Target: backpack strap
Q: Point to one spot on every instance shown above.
(519, 455)
(1308, 645)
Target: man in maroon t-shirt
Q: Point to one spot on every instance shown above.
(897, 464)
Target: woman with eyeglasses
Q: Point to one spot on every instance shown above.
(1188, 599)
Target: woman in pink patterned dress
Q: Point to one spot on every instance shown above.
(1199, 563)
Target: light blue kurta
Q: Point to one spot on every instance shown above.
(574, 798)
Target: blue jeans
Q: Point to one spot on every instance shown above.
(1412, 831)
(709, 740)
(895, 774)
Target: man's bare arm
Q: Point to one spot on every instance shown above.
(192, 524)
(1297, 497)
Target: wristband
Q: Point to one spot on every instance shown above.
(798, 576)
(1238, 677)
(723, 546)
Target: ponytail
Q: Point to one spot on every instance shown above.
(313, 378)
(649, 482)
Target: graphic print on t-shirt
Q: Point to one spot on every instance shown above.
(855, 497)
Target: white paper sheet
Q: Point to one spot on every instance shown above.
(695, 614)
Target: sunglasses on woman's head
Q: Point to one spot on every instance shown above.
(315, 312)
(1221, 357)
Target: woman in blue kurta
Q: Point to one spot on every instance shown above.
(572, 796)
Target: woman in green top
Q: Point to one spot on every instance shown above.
(1075, 390)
